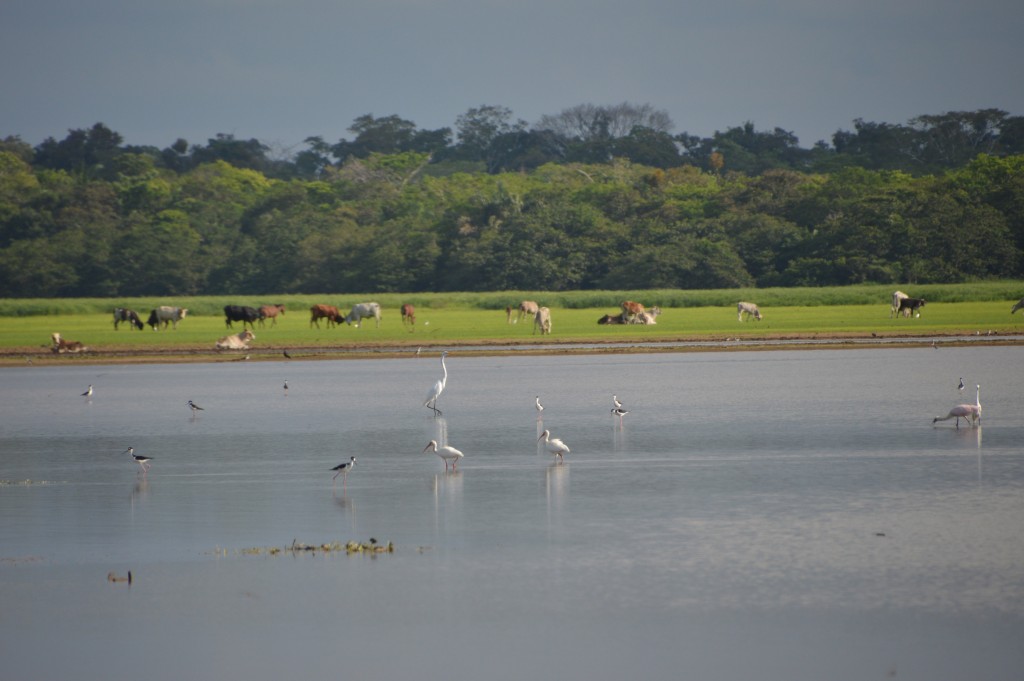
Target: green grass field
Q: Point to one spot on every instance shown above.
(461, 325)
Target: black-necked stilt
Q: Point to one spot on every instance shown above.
(344, 468)
(286, 387)
(554, 446)
(616, 403)
(438, 388)
(959, 387)
(88, 391)
(446, 452)
(194, 407)
(617, 411)
(143, 461)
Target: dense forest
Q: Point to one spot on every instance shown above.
(591, 198)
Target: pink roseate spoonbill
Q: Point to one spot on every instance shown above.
(446, 452)
(967, 412)
(554, 446)
(143, 461)
(438, 388)
(343, 469)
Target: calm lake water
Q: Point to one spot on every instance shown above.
(758, 515)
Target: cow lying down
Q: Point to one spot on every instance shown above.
(237, 341)
(61, 346)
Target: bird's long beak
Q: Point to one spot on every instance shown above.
(426, 448)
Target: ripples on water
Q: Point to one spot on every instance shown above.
(754, 509)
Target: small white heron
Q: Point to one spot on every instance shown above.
(194, 407)
(540, 407)
(438, 388)
(616, 403)
(446, 452)
(143, 461)
(344, 468)
(88, 391)
(554, 446)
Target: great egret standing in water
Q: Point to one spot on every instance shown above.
(438, 388)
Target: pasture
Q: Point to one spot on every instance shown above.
(451, 320)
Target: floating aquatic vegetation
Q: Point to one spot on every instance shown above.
(372, 547)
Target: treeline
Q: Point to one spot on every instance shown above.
(88, 216)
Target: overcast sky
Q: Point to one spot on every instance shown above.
(284, 70)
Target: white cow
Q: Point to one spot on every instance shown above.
(648, 316)
(542, 320)
(360, 310)
(897, 297)
(165, 314)
(749, 308)
(237, 341)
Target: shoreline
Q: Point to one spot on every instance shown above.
(41, 356)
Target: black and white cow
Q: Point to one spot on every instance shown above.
(164, 315)
(123, 314)
(911, 306)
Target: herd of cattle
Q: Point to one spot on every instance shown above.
(631, 312)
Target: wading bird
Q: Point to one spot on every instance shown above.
(88, 391)
(540, 407)
(554, 446)
(194, 407)
(143, 461)
(438, 388)
(446, 452)
(620, 412)
(344, 468)
(616, 403)
(961, 386)
(967, 412)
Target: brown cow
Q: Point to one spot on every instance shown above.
(270, 312)
(527, 308)
(328, 312)
(61, 346)
(631, 310)
(408, 314)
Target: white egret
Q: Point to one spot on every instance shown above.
(438, 388)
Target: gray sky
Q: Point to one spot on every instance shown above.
(284, 70)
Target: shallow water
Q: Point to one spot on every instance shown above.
(771, 515)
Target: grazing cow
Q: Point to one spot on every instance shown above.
(360, 310)
(61, 346)
(750, 309)
(897, 296)
(123, 314)
(1018, 306)
(527, 308)
(908, 306)
(238, 341)
(328, 312)
(649, 316)
(612, 319)
(270, 312)
(240, 313)
(165, 315)
(408, 314)
(542, 320)
(631, 310)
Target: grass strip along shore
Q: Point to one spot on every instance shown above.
(480, 321)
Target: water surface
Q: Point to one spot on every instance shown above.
(770, 515)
